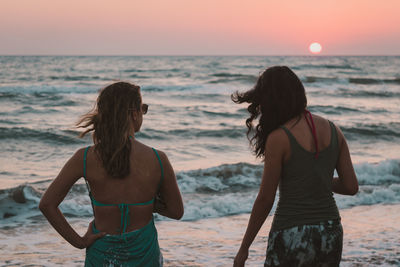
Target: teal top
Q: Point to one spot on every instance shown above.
(135, 248)
(305, 188)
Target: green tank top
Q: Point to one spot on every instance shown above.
(305, 188)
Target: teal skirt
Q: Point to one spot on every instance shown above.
(137, 248)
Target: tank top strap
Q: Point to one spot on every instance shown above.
(334, 136)
(84, 167)
(310, 121)
(295, 147)
(286, 130)
(162, 169)
(292, 139)
(84, 176)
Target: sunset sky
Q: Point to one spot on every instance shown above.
(199, 27)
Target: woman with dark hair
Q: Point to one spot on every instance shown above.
(123, 177)
(300, 151)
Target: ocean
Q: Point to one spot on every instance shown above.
(193, 120)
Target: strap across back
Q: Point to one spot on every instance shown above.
(123, 207)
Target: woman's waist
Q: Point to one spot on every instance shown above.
(287, 216)
(285, 225)
(132, 230)
(114, 222)
(129, 245)
(295, 202)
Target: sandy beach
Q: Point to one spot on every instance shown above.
(370, 239)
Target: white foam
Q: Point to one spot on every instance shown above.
(219, 191)
(384, 172)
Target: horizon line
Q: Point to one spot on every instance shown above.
(202, 55)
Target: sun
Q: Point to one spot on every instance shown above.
(315, 48)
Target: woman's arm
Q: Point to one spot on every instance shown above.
(171, 204)
(275, 147)
(346, 183)
(55, 194)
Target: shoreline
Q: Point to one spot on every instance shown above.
(370, 238)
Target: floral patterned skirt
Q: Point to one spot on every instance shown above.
(306, 245)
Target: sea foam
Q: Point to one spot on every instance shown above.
(212, 192)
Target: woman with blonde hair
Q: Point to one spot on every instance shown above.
(123, 177)
(300, 151)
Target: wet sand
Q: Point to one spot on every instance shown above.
(371, 238)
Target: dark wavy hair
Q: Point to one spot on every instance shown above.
(110, 123)
(277, 97)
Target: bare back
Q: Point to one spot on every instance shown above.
(140, 186)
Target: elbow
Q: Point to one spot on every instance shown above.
(349, 190)
(353, 191)
(44, 206)
(175, 215)
(352, 188)
(346, 185)
(178, 214)
(171, 212)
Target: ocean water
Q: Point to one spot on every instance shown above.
(193, 120)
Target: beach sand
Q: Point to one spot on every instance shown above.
(371, 238)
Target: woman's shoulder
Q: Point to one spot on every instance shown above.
(327, 122)
(319, 118)
(83, 152)
(80, 152)
(277, 139)
(277, 134)
(82, 155)
(322, 122)
(77, 160)
(163, 157)
(148, 150)
(328, 125)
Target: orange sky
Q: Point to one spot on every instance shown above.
(192, 27)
